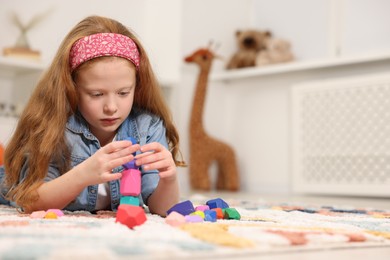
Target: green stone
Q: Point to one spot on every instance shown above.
(231, 213)
(129, 200)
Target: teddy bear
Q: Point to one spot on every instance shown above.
(277, 50)
(249, 43)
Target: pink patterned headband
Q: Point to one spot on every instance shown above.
(103, 44)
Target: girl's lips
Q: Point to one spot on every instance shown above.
(109, 121)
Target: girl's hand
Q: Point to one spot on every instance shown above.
(97, 169)
(155, 156)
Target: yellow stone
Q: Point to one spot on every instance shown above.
(51, 215)
(198, 213)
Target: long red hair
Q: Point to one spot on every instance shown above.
(1, 154)
(39, 136)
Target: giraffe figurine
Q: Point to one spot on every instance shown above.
(203, 148)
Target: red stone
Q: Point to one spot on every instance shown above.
(130, 215)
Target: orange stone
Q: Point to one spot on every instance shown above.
(51, 215)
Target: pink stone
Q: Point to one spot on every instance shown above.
(130, 182)
(175, 219)
(58, 212)
(38, 214)
(202, 208)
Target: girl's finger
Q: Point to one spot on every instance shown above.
(116, 146)
(120, 161)
(141, 155)
(152, 157)
(113, 177)
(152, 147)
(162, 163)
(124, 152)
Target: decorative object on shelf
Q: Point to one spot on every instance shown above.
(250, 43)
(203, 148)
(277, 51)
(9, 110)
(22, 48)
(24, 53)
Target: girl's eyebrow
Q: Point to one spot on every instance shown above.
(124, 88)
(104, 89)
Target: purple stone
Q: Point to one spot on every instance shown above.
(184, 208)
(217, 203)
(193, 218)
(130, 165)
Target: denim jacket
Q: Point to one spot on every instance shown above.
(142, 126)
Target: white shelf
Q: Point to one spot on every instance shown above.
(295, 66)
(20, 66)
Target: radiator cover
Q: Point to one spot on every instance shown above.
(341, 136)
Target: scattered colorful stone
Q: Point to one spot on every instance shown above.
(38, 214)
(58, 212)
(175, 219)
(51, 215)
(48, 214)
(184, 208)
(212, 211)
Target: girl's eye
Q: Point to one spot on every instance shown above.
(124, 93)
(96, 94)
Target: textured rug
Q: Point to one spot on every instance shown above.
(263, 229)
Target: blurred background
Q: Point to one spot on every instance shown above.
(249, 108)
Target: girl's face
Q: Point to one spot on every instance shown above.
(106, 93)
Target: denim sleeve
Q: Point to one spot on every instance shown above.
(3, 190)
(150, 179)
(52, 172)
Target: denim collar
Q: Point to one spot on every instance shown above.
(77, 124)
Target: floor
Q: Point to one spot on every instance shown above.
(348, 201)
(340, 254)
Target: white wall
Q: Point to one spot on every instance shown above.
(253, 114)
(162, 44)
(305, 23)
(365, 26)
(319, 28)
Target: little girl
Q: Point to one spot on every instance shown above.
(69, 147)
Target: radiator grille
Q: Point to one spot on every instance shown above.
(341, 136)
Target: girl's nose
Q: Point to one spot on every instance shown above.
(110, 106)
